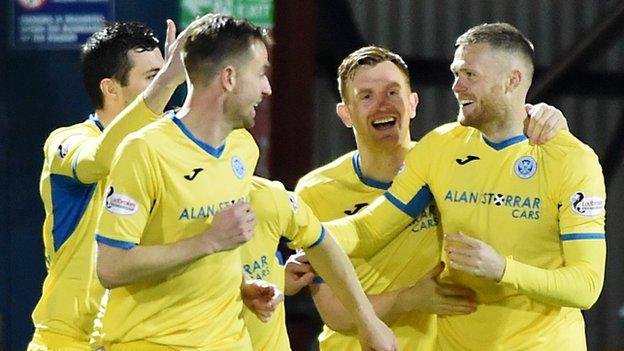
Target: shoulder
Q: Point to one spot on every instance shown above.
(335, 171)
(567, 148)
(448, 131)
(268, 197)
(70, 135)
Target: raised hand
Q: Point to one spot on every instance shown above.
(543, 122)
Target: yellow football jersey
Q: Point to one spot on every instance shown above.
(534, 204)
(339, 189)
(77, 159)
(166, 185)
(279, 213)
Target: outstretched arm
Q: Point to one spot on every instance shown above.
(364, 233)
(91, 158)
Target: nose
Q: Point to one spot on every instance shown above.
(383, 102)
(266, 87)
(458, 86)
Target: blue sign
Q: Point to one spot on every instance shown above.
(57, 24)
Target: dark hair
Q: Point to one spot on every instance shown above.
(215, 38)
(105, 55)
(501, 36)
(367, 56)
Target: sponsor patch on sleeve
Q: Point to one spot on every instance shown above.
(68, 144)
(120, 204)
(585, 205)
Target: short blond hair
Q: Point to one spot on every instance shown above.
(367, 56)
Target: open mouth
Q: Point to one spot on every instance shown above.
(383, 123)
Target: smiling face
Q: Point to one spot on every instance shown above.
(252, 85)
(479, 86)
(379, 105)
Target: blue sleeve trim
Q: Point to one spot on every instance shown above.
(582, 236)
(320, 238)
(280, 257)
(416, 205)
(115, 243)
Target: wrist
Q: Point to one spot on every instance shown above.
(402, 300)
(210, 247)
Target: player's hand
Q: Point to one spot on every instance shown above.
(173, 69)
(474, 257)
(543, 122)
(298, 273)
(230, 228)
(261, 297)
(377, 337)
(430, 296)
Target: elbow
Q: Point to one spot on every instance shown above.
(339, 325)
(588, 301)
(108, 277)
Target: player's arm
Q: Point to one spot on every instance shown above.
(543, 122)
(333, 265)
(578, 284)
(132, 190)
(92, 157)
(121, 263)
(303, 229)
(581, 220)
(364, 233)
(426, 296)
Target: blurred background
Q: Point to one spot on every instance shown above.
(580, 69)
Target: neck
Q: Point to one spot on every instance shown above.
(203, 115)
(382, 163)
(106, 115)
(509, 125)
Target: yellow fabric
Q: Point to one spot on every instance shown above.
(165, 187)
(278, 213)
(336, 190)
(524, 201)
(71, 291)
(94, 156)
(45, 341)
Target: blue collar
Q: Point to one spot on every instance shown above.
(93, 118)
(216, 152)
(507, 142)
(368, 181)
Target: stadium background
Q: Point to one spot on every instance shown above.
(580, 57)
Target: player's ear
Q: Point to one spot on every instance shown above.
(110, 89)
(413, 99)
(228, 78)
(514, 80)
(343, 113)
